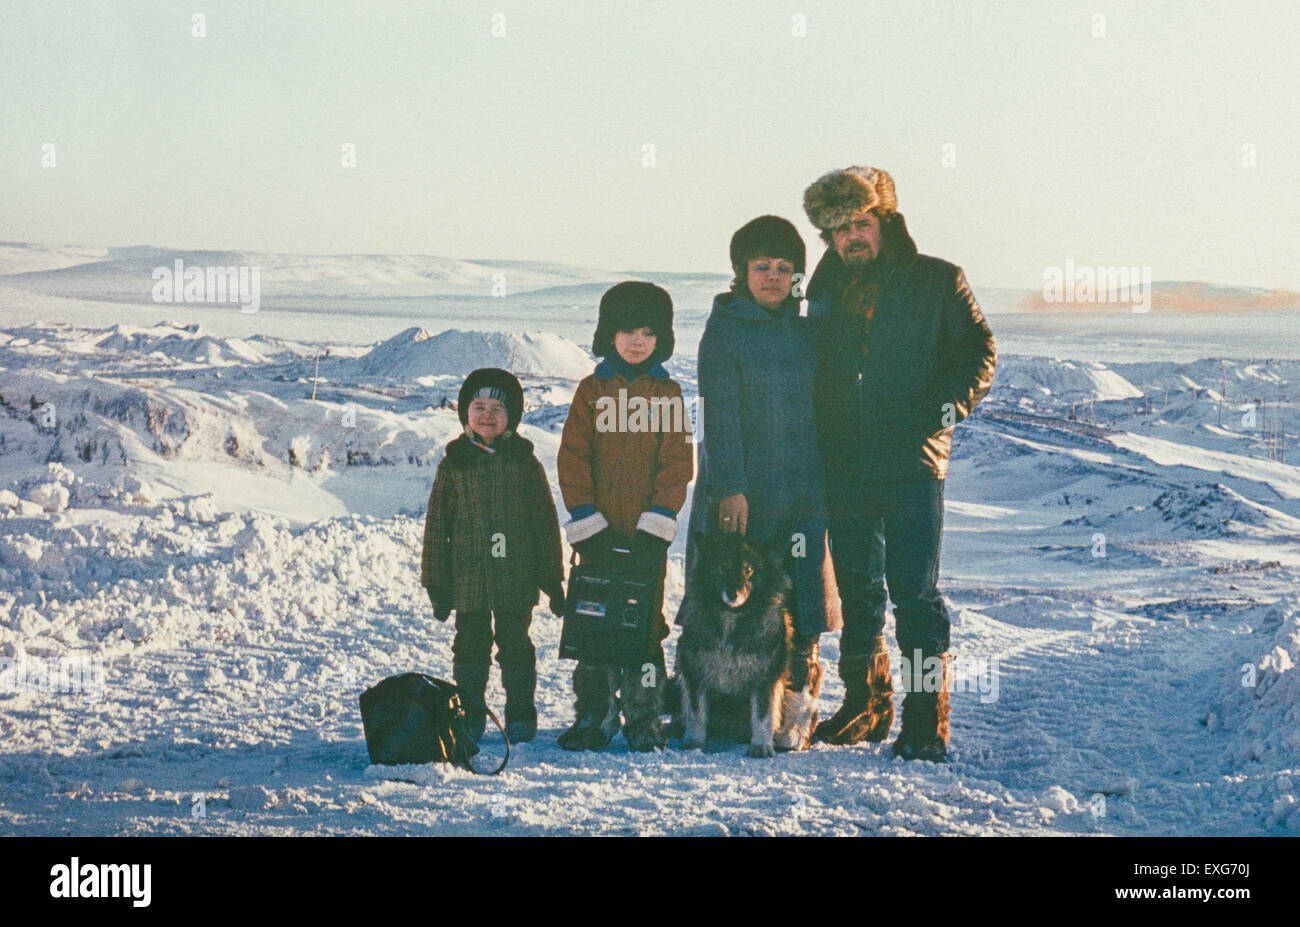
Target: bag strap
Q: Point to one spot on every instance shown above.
(469, 763)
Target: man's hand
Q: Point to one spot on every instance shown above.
(733, 514)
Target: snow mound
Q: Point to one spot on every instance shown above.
(185, 343)
(1062, 378)
(1258, 711)
(1213, 510)
(1243, 379)
(417, 352)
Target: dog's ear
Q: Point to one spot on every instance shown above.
(724, 542)
(779, 556)
(771, 551)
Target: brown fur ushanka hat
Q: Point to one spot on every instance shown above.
(630, 305)
(842, 196)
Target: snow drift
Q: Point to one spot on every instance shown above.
(417, 352)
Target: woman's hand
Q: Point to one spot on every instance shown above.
(733, 514)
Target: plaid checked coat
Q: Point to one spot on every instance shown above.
(491, 535)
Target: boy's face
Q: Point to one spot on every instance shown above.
(769, 280)
(487, 418)
(636, 345)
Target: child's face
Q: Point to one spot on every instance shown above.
(487, 418)
(636, 345)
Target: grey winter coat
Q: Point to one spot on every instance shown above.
(757, 436)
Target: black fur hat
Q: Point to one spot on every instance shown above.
(767, 236)
(635, 304)
(494, 383)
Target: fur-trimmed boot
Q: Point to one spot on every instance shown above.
(521, 712)
(925, 721)
(596, 706)
(868, 709)
(642, 705)
(471, 680)
(802, 689)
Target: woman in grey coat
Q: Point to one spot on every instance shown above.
(759, 469)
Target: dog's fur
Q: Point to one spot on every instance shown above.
(736, 639)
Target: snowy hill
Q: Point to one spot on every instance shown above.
(1062, 378)
(416, 352)
(191, 343)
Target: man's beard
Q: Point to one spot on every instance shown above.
(860, 259)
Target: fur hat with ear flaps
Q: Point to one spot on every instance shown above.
(492, 383)
(842, 196)
(631, 305)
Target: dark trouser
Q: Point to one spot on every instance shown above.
(892, 536)
(474, 634)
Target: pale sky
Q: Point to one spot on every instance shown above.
(1124, 149)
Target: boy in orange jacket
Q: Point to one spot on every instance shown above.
(624, 463)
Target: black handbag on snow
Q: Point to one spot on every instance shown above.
(414, 718)
(606, 614)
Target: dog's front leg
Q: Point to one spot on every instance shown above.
(798, 712)
(695, 706)
(762, 721)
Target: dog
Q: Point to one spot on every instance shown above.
(735, 646)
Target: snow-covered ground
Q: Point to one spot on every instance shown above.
(201, 567)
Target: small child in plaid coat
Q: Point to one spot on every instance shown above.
(491, 542)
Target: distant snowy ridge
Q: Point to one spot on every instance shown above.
(1191, 296)
(22, 257)
(126, 274)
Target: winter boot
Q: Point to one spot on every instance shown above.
(521, 713)
(471, 680)
(868, 709)
(799, 701)
(596, 707)
(925, 721)
(642, 705)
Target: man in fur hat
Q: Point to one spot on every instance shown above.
(903, 354)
